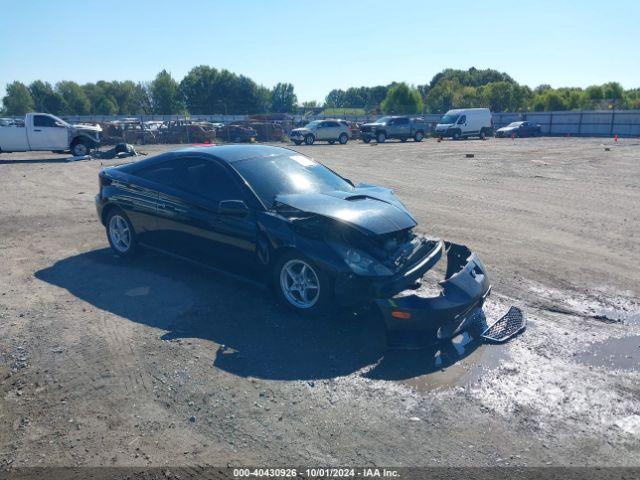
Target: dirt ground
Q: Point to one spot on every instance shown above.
(157, 362)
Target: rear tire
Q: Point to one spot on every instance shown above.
(297, 142)
(483, 135)
(309, 139)
(301, 285)
(343, 138)
(331, 142)
(120, 233)
(418, 136)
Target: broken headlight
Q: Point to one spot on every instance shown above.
(360, 262)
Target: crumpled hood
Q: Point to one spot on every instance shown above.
(301, 130)
(88, 128)
(507, 129)
(371, 209)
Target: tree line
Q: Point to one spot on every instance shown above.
(207, 90)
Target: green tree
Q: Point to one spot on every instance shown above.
(614, 92)
(105, 106)
(45, 99)
(497, 96)
(441, 97)
(402, 99)
(553, 101)
(208, 90)
(75, 99)
(18, 99)
(283, 98)
(165, 94)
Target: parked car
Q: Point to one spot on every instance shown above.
(236, 133)
(520, 129)
(401, 128)
(291, 222)
(465, 123)
(41, 131)
(331, 131)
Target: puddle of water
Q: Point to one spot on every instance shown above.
(461, 363)
(619, 353)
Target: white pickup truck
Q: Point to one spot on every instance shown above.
(41, 131)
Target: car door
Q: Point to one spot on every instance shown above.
(190, 222)
(403, 127)
(462, 124)
(48, 134)
(321, 131)
(333, 130)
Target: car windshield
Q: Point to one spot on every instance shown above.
(285, 174)
(515, 124)
(449, 119)
(383, 120)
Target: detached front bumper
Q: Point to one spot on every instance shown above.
(416, 321)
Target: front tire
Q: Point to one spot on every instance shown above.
(343, 138)
(366, 139)
(381, 137)
(456, 136)
(120, 233)
(80, 148)
(301, 285)
(309, 139)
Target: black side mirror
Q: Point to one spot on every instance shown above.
(233, 207)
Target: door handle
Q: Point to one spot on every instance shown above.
(171, 208)
(37, 130)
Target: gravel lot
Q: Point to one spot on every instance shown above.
(156, 362)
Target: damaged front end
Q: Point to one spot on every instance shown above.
(414, 321)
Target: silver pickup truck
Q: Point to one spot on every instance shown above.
(401, 128)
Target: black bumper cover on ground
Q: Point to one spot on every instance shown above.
(415, 321)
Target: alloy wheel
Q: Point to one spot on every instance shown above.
(300, 284)
(119, 233)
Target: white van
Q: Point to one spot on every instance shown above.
(464, 123)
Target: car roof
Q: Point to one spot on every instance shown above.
(225, 153)
(234, 153)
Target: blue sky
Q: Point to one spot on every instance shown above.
(321, 44)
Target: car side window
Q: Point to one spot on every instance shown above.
(333, 124)
(463, 119)
(402, 121)
(198, 176)
(43, 121)
(211, 180)
(162, 173)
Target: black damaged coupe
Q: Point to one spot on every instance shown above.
(313, 235)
